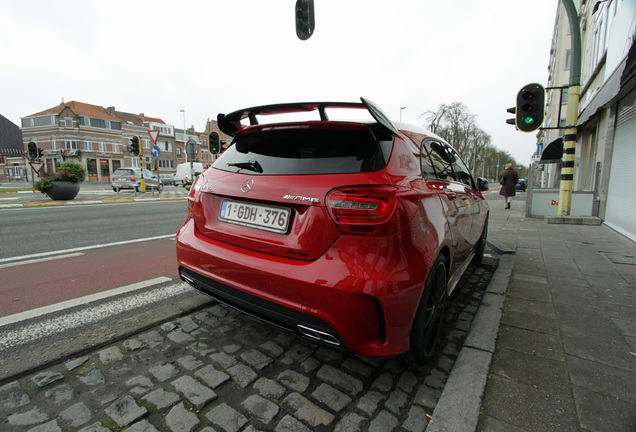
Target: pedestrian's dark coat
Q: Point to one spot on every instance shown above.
(510, 179)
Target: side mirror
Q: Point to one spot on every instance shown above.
(482, 184)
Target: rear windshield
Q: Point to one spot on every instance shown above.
(305, 151)
(123, 171)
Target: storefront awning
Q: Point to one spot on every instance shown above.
(553, 152)
(71, 152)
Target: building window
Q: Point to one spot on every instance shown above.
(88, 145)
(70, 144)
(102, 147)
(53, 143)
(115, 146)
(43, 121)
(91, 167)
(564, 97)
(68, 123)
(568, 59)
(100, 123)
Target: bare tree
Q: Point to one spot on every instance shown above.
(458, 126)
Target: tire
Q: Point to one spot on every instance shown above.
(480, 248)
(430, 314)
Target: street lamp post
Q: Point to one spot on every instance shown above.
(403, 108)
(184, 137)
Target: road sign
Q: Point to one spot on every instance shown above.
(155, 151)
(191, 148)
(154, 134)
(36, 166)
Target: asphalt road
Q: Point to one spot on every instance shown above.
(33, 230)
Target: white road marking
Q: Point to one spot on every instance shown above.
(38, 260)
(85, 248)
(88, 315)
(34, 313)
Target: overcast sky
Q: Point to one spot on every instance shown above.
(159, 57)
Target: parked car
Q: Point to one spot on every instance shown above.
(351, 234)
(521, 185)
(186, 172)
(166, 179)
(130, 178)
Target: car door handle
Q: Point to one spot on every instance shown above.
(450, 194)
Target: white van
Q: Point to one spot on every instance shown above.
(184, 175)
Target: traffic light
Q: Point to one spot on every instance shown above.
(304, 19)
(40, 153)
(32, 150)
(134, 145)
(214, 143)
(530, 107)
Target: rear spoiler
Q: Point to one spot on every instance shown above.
(230, 124)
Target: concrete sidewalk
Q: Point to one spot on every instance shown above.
(565, 356)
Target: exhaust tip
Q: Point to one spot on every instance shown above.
(187, 279)
(318, 335)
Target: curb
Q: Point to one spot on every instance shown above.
(459, 405)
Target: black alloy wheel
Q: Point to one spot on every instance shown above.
(430, 314)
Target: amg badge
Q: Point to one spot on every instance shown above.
(301, 198)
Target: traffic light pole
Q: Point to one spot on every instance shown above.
(569, 140)
(142, 182)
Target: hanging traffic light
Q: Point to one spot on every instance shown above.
(134, 145)
(530, 108)
(32, 150)
(304, 19)
(214, 143)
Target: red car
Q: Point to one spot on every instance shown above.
(349, 233)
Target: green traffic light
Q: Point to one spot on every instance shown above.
(528, 120)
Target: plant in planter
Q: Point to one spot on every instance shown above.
(64, 184)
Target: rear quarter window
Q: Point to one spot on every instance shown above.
(304, 150)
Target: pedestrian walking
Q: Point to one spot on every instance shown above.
(508, 180)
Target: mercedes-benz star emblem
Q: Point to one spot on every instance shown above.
(247, 185)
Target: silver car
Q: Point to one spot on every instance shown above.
(130, 178)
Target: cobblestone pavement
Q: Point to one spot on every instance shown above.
(219, 370)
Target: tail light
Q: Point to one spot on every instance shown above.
(193, 195)
(132, 178)
(372, 211)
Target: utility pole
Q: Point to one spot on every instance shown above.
(569, 139)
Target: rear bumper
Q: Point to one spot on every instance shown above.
(362, 303)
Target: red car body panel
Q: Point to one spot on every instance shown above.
(361, 290)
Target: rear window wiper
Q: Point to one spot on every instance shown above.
(249, 165)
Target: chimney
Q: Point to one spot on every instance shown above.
(111, 110)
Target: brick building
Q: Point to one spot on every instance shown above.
(96, 137)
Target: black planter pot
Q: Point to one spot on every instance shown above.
(63, 190)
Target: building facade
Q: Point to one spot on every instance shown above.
(12, 158)
(98, 138)
(606, 136)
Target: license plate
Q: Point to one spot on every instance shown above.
(268, 218)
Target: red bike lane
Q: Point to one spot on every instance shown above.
(33, 285)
